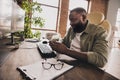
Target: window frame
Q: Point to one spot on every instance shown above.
(58, 24)
(58, 13)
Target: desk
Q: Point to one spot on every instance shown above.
(28, 54)
(86, 72)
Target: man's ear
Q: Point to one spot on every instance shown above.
(84, 17)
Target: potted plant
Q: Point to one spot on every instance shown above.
(30, 8)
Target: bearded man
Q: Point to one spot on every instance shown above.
(84, 41)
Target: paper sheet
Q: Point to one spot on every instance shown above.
(37, 72)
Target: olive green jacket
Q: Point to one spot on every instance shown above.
(93, 41)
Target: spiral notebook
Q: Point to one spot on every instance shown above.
(37, 72)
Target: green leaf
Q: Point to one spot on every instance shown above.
(30, 8)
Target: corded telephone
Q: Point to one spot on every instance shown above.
(45, 49)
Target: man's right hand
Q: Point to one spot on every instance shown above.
(59, 47)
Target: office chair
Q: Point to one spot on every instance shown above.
(107, 26)
(95, 17)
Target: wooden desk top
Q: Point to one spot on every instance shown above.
(86, 72)
(28, 54)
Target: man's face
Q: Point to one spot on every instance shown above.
(76, 21)
(75, 18)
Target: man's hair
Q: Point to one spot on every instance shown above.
(80, 10)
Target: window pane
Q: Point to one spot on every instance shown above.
(48, 2)
(78, 3)
(117, 31)
(50, 16)
(5, 8)
(118, 19)
(5, 15)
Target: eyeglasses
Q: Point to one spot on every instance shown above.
(47, 65)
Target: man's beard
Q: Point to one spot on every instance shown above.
(79, 27)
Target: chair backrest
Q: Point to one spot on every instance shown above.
(107, 26)
(95, 17)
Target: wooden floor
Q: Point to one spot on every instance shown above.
(113, 66)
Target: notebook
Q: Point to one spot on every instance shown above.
(37, 72)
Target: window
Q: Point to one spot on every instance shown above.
(118, 20)
(117, 32)
(49, 14)
(6, 13)
(77, 3)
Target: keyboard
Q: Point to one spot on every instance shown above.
(45, 50)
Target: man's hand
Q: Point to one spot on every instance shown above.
(59, 47)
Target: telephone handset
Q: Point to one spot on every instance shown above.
(45, 49)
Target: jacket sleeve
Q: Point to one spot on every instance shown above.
(66, 39)
(99, 54)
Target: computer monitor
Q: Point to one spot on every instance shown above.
(11, 17)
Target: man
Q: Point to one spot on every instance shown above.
(84, 41)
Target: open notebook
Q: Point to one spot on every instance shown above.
(37, 72)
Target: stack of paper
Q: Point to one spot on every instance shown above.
(37, 72)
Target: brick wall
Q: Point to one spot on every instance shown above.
(100, 6)
(63, 17)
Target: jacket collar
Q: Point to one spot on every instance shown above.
(87, 30)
